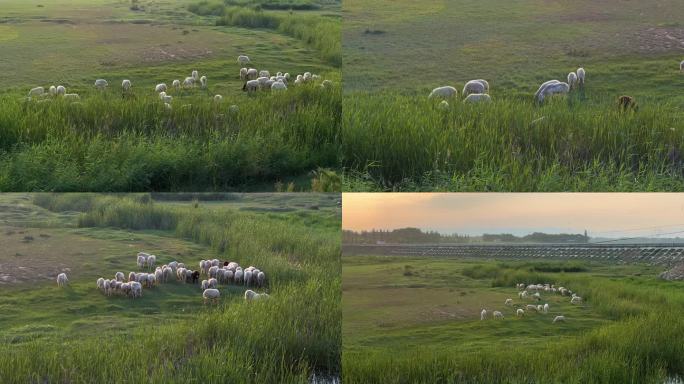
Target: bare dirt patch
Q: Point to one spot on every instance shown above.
(659, 40)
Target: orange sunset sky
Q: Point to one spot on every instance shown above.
(602, 214)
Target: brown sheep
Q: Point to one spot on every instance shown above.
(627, 102)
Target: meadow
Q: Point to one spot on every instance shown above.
(109, 142)
(76, 334)
(417, 320)
(395, 139)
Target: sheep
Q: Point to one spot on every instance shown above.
(251, 86)
(142, 260)
(107, 287)
(627, 102)
(215, 262)
(167, 271)
(681, 66)
(232, 266)
(151, 280)
(536, 296)
(228, 275)
(531, 307)
(100, 283)
(520, 313)
(262, 81)
(37, 91)
(253, 296)
(553, 89)
(176, 84)
(61, 90)
(252, 74)
(546, 307)
(307, 77)
(238, 276)
(538, 94)
(101, 84)
(136, 289)
(151, 260)
(167, 99)
(443, 92)
(211, 294)
(212, 283)
(195, 276)
(195, 76)
(159, 275)
(264, 74)
(576, 300)
(483, 314)
(125, 288)
(71, 96)
(509, 302)
(204, 285)
(131, 276)
(558, 319)
(243, 74)
(581, 75)
(62, 279)
(203, 82)
(248, 277)
(327, 84)
(286, 76)
(477, 97)
(189, 82)
(522, 294)
(218, 98)
(473, 86)
(180, 274)
(53, 90)
(161, 87)
(126, 85)
(443, 105)
(278, 86)
(498, 315)
(243, 60)
(572, 80)
(540, 308)
(213, 271)
(261, 278)
(484, 83)
(119, 276)
(173, 265)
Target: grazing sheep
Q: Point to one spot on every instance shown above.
(443, 92)
(520, 313)
(213, 271)
(477, 98)
(195, 76)
(204, 285)
(189, 82)
(251, 86)
(522, 294)
(159, 275)
(119, 276)
(483, 314)
(243, 74)
(243, 60)
(248, 277)
(126, 85)
(195, 277)
(473, 86)
(443, 105)
(151, 280)
(62, 279)
(238, 276)
(142, 259)
(71, 96)
(253, 296)
(136, 289)
(218, 98)
(509, 302)
(213, 283)
(538, 95)
(131, 276)
(101, 84)
(576, 300)
(264, 74)
(558, 318)
(52, 90)
(100, 283)
(627, 102)
(252, 74)
(485, 83)
(61, 90)
(554, 89)
(531, 307)
(327, 84)
(203, 82)
(176, 84)
(546, 307)
(167, 99)
(160, 87)
(151, 260)
(498, 315)
(215, 262)
(581, 75)
(37, 91)
(572, 80)
(261, 278)
(211, 294)
(278, 86)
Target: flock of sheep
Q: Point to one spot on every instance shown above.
(215, 271)
(525, 294)
(253, 79)
(477, 90)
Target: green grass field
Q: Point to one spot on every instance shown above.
(417, 320)
(74, 43)
(394, 55)
(76, 334)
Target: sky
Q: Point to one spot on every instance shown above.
(601, 214)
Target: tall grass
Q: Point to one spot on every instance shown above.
(107, 143)
(321, 33)
(401, 142)
(284, 339)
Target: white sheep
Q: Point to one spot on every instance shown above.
(558, 319)
(211, 294)
(264, 73)
(252, 296)
(37, 91)
(215, 262)
(572, 80)
(203, 81)
(327, 84)
(278, 86)
(509, 302)
(159, 275)
(126, 85)
(581, 75)
(554, 89)
(538, 94)
(119, 276)
(576, 300)
(136, 289)
(189, 82)
(142, 259)
(195, 75)
(443, 105)
(252, 74)
(477, 98)
(243, 74)
(546, 307)
(151, 261)
(160, 87)
(248, 277)
(53, 90)
(62, 279)
(251, 86)
(100, 283)
(443, 92)
(101, 84)
(681, 66)
(485, 83)
(520, 313)
(213, 283)
(483, 314)
(151, 280)
(176, 84)
(131, 276)
(531, 307)
(238, 276)
(261, 278)
(213, 271)
(173, 265)
(167, 99)
(498, 315)
(473, 86)
(61, 90)
(243, 60)
(204, 285)
(168, 272)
